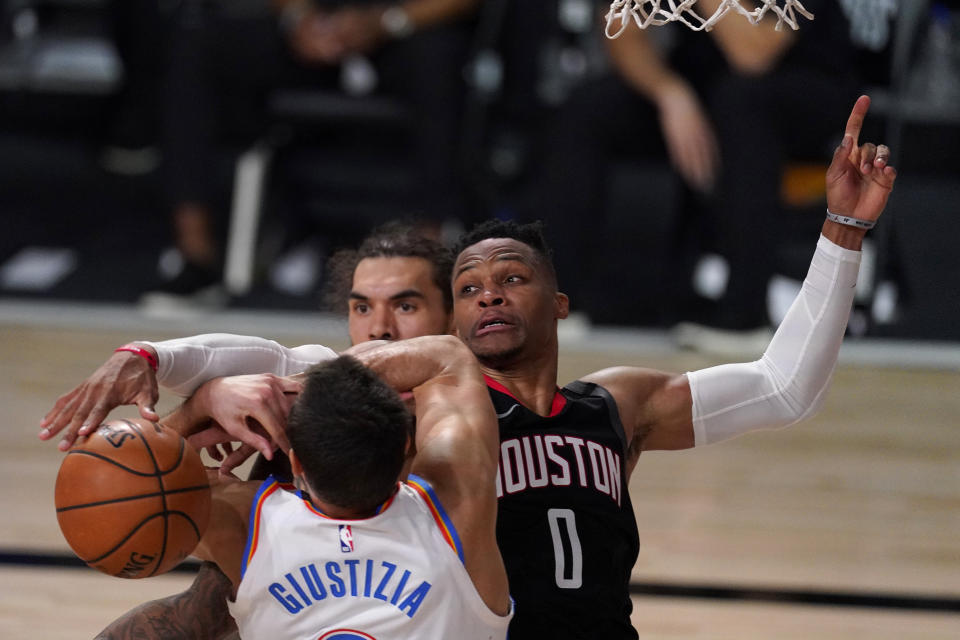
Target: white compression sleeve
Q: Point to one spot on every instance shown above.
(186, 363)
(789, 382)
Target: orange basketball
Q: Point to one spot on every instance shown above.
(132, 501)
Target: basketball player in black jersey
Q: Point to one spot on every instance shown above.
(566, 528)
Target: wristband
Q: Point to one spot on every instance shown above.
(850, 222)
(143, 353)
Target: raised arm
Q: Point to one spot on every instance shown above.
(749, 49)
(789, 382)
(687, 130)
(132, 375)
(457, 443)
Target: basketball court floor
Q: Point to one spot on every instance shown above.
(844, 527)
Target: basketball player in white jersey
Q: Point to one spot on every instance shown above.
(358, 554)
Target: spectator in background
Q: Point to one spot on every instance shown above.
(728, 109)
(224, 59)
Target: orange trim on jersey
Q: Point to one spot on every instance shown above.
(446, 527)
(556, 406)
(254, 530)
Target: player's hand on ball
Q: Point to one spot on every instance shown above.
(125, 378)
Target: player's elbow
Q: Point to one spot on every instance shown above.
(795, 402)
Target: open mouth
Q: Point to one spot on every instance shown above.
(490, 325)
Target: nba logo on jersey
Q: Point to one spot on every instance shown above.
(346, 538)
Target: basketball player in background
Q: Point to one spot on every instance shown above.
(395, 285)
(364, 551)
(565, 524)
(727, 109)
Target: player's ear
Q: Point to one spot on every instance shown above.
(295, 467)
(561, 304)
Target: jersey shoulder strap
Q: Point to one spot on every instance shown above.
(593, 390)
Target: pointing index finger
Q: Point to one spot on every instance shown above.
(857, 116)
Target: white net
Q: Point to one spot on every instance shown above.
(658, 12)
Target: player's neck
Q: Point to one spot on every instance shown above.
(533, 385)
(340, 513)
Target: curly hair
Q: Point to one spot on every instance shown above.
(391, 240)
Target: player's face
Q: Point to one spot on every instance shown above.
(505, 305)
(395, 299)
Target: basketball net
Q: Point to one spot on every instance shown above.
(659, 12)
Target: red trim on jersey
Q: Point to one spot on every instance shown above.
(360, 634)
(445, 531)
(559, 400)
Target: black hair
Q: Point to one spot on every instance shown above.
(349, 431)
(530, 234)
(391, 240)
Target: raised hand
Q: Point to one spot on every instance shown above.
(859, 180)
(125, 378)
(689, 136)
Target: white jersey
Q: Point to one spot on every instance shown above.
(396, 575)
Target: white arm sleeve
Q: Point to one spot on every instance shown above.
(789, 382)
(186, 363)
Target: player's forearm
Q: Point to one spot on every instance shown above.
(641, 65)
(843, 235)
(408, 364)
(749, 49)
(186, 363)
(199, 612)
(189, 418)
(789, 382)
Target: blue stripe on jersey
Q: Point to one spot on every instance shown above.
(447, 522)
(265, 486)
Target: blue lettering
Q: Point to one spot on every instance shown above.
(353, 575)
(313, 582)
(297, 588)
(337, 589)
(367, 578)
(289, 602)
(294, 592)
(415, 599)
(379, 594)
(403, 583)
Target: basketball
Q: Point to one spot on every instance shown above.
(132, 501)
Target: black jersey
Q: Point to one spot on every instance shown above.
(565, 524)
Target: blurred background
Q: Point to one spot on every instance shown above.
(174, 153)
(172, 167)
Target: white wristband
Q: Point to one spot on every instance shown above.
(850, 221)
